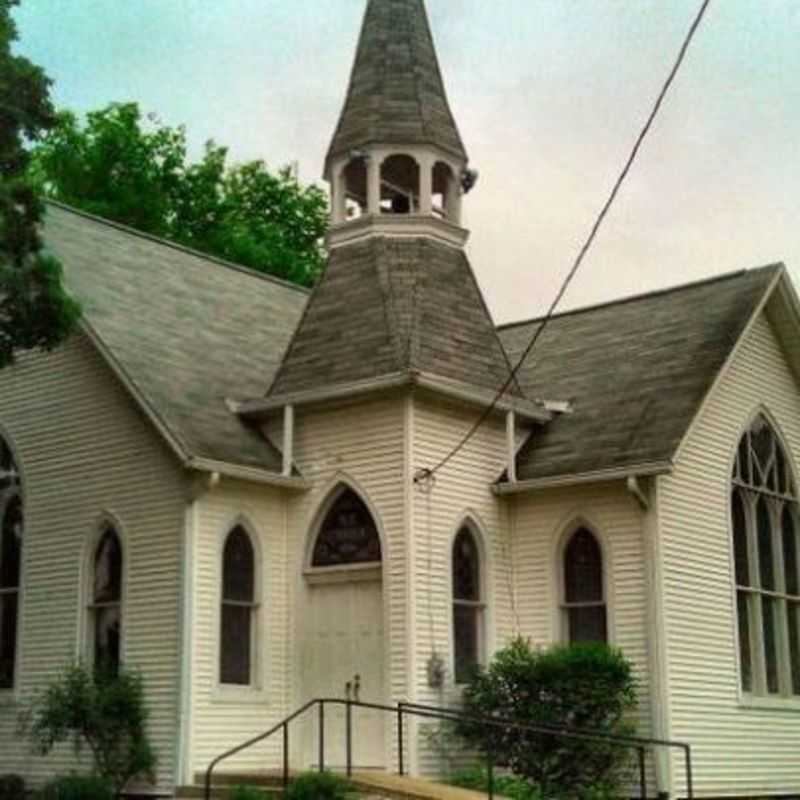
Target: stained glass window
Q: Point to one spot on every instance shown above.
(105, 608)
(348, 534)
(238, 609)
(468, 605)
(766, 563)
(584, 596)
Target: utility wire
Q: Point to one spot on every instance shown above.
(426, 473)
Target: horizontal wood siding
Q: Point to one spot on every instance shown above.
(541, 521)
(462, 490)
(223, 717)
(737, 750)
(86, 449)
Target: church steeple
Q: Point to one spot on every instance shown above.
(396, 151)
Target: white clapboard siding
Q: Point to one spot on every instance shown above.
(224, 717)
(462, 490)
(541, 520)
(737, 750)
(86, 449)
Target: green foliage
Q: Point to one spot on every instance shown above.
(12, 787)
(246, 793)
(134, 170)
(35, 311)
(99, 710)
(511, 786)
(589, 687)
(319, 786)
(78, 787)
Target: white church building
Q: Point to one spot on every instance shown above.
(213, 481)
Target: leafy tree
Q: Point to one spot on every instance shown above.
(102, 711)
(134, 170)
(586, 687)
(35, 311)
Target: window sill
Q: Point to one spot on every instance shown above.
(757, 703)
(239, 696)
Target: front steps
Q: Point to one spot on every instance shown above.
(373, 785)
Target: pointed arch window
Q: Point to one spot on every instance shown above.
(468, 605)
(348, 534)
(584, 600)
(105, 603)
(239, 607)
(766, 551)
(11, 532)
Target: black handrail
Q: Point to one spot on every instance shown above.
(445, 714)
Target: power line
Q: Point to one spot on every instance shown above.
(426, 473)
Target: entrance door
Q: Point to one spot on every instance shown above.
(344, 650)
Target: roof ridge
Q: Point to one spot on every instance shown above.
(643, 295)
(176, 246)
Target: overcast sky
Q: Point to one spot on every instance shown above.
(548, 94)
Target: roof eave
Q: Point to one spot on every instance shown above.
(641, 470)
(263, 409)
(248, 473)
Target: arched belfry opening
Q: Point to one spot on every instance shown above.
(400, 185)
(446, 201)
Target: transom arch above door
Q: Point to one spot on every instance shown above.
(346, 533)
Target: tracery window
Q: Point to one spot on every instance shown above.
(239, 606)
(348, 534)
(766, 549)
(105, 606)
(468, 605)
(11, 532)
(584, 601)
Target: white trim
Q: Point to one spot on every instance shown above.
(595, 476)
(288, 440)
(252, 474)
(374, 223)
(255, 690)
(85, 645)
(183, 764)
(726, 367)
(565, 532)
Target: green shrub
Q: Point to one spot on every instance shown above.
(246, 793)
(102, 711)
(12, 787)
(587, 686)
(78, 787)
(511, 786)
(319, 786)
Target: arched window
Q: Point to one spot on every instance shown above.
(11, 531)
(468, 605)
(239, 606)
(584, 599)
(766, 550)
(105, 606)
(348, 534)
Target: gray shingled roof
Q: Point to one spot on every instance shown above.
(636, 369)
(386, 306)
(396, 93)
(187, 330)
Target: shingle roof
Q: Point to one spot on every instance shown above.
(396, 93)
(637, 371)
(385, 306)
(187, 330)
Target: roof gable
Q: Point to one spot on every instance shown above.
(185, 331)
(636, 370)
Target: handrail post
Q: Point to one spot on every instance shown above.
(322, 736)
(349, 736)
(642, 774)
(689, 776)
(490, 775)
(400, 753)
(208, 783)
(285, 756)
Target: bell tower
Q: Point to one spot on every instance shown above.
(396, 164)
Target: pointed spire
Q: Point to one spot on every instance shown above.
(396, 93)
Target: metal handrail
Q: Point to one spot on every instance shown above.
(445, 714)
